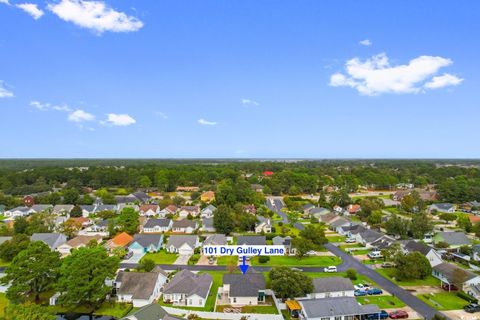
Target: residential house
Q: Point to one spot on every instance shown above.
(185, 211)
(207, 196)
(184, 226)
(207, 225)
(139, 288)
(146, 242)
(256, 187)
(286, 242)
(263, 225)
(187, 189)
(77, 242)
(106, 207)
(250, 209)
(462, 279)
(381, 243)
(157, 225)
(350, 230)
(353, 208)
(87, 210)
(215, 240)
(62, 209)
(318, 212)
(251, 240)
(120, 240)
(430, 253)
(338, 209)
(100, 226)
(339, 308)
(149, 210)
(307, 208)
(182, 244)
(128, 199)
(151, 311)
(122, 206)
(170, 209)
(36, 208)
(243, 289)
(455, 239)
(442, 207)
(142, 197)
(329, 218)
(188, 289)
(17, 212)
(367, 236)
(400, 194)
(208, 211)
(53, 240)
(339, 223)
(331, 287)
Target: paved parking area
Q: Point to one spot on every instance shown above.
(135, 258)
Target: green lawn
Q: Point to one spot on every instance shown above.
(4, 263)
(443, 301)
(335, 238)
(117, 310)
(3, 304)
(350, 245)
(161, 257)
(389, 274)
(360, 278)
(227, 260)
(360, 252)
(321, 261)
(383, 302)
(271, 309)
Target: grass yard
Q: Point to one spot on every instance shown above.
(321, 261)
(335, 238)
(3, 304)
(360, 278)
(117, 310)
(161, 257)
(389, 274)
(268, 309)
(350, 245)
(227, 260)
(383, 302)
(443, 301)
(360, 252)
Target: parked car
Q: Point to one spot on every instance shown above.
(359, 293)
(359, 287)
(447, 287)
(374, 316)
(472, 308)
(350, 240)
(374, 255)
(388, 265)
(398, 314)
(330, 269)
(374, 291)
(128, 255)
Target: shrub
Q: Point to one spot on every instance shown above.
(263, 259)
(466, 297)
(351, 274)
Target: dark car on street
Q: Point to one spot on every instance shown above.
(472, 308)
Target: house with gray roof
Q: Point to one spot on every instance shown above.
(53, 240)
(182, 244)
(151, 311)
(62, 209)
(251, 240)
(318, 212)
(335, 308)
(217, 239)
(263, 225)
(286, 242)
(41, 208)
(208, 211)
(243, 289)
(143, 242)
(17, 212)
(453, 275)
(184, 226)
(331, 287)
(188, 289)
(129, 199)
(87, 210)
(106, 207)
(139, 288)
(157, 225)
(307, 208)
(454, 239)
(442, 207)
(207, 225)
(340, 222)
(430, 253)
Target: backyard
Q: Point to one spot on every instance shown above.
(264, 309)
(443, 300)
(320, 261)
(161, 257)
(390, 274)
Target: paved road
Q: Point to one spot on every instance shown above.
(277, 207)
(409, 299)
(222, 268)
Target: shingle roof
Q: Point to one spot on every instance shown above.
(339, 222)
(454, 237)
(332, 284)
(152, 312)
(207, 223)
(41, 207)
(82, 240)
(186, 282)
(62, 207)
(341, 306)
(251, 240)
(454, 274)
(185, 223)
(370, 235)
(157, 222)
(146, 240)
(216, 239)
(244, 285)
(414, 246)
(48, 238)
(106, 207)
(178, 240)
(139, 284)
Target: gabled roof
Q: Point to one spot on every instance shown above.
(138, 284)
(442, 206)
(308, 206)
(41, 207)
(122, 239)
(146, 207)
(185, 223)
(215, 239)
(151, 312)
(190, 208)
(319, 211)
(244, 285)
(53, 240)
(282, 241)
(62, 207)
(207, 223)
(83, 240)
(146, 240)
(383, 242)
(339, 222)
(210, 207)
(332, 284)
(340, 306)
(251, 240)
(454, 238)
(88, 208)
(369, 235)
(157, 222)
(454, 274)
(106, 207)
(188, 283)
(21, 208)
(414, 246)
(141, 196)
(178, 240)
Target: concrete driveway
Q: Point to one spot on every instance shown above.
(135, 258)
(182, 259)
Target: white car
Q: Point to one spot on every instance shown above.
(330, 269)
(375, 254)
(350, 240)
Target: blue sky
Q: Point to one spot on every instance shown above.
(246, 78)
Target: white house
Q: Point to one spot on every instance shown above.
(242, 289)
(140, 288)
(17, 212)
(430, 253)
(157, 225)
(184, 226)
(149, 210)
(263, 225)
(331, 287)
(182, 244)
(184, 211)
(188, 289)
(208, 211)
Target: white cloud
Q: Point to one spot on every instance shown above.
(44, 106)
(122, 120)
(161, 114)
(366, 43)
(95, 15)
(5, 2)
(32, 9)
(80, 116)
(249, 102)
(442, 81)
(375, 76)
(4, 92)
(204, 122)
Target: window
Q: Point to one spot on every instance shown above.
(349, 318)
(327, 318)
(338, 318)
(234, 300)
